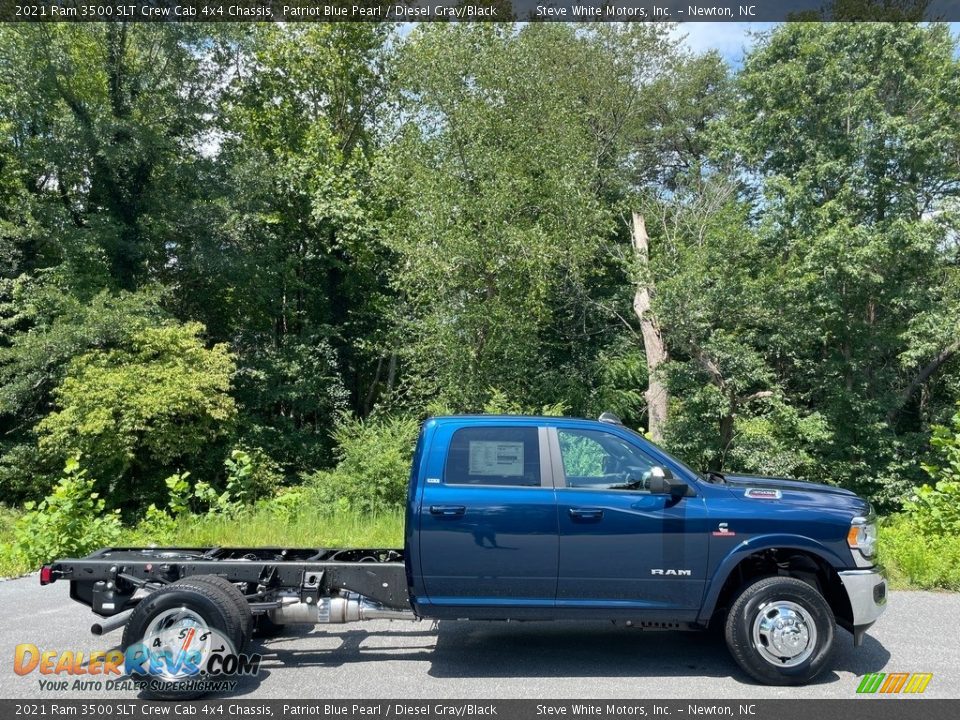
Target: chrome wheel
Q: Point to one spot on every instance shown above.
(784, 633)
(177, 640)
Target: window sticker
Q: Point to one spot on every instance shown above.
(496, 457)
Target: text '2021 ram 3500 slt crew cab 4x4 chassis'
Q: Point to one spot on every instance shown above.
(539, 518)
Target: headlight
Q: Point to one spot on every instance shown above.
(863, 536)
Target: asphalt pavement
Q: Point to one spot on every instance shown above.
(399, 659)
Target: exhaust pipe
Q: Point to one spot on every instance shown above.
(110, 624)
(346, 608)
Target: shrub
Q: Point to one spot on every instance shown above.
(935, 510)
(374, 464)
(921, 546)
(71, 521)
(912, 558)
(11, 562)
(287, 504)
(251, 475)
(160, 400)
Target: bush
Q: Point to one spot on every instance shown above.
(921, 546)
(11, 563)
(935, 511)
(251, 475)
(159, 401)
(912, 558)
(374, 464)
(70, 522)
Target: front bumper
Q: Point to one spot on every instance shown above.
(867, 592)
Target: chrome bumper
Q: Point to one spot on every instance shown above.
(867, 590)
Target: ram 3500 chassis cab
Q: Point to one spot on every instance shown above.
(540, 518)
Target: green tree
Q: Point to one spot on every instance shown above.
(728, 409)
(107, 122)
(300, 295)
(851, 133)
(43, 326)
(502, 177)
(160, 400)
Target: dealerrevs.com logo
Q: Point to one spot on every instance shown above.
(894, 683)
(182, 657)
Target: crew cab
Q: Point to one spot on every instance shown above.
(539, 518)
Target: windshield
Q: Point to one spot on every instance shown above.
(674, 458)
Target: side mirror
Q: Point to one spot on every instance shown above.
(662, 482)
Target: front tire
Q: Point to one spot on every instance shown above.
(780, 630)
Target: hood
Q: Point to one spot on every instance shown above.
(752, 488)
(757, 481)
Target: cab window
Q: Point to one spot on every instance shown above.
(494, 456)
(603, 461)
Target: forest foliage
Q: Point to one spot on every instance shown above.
(295, 242)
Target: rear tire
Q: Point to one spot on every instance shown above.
(780, 630)
(242, 608)
(194, 604)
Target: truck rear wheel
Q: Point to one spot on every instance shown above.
(780, 630)
(239, 602)
(172, 632)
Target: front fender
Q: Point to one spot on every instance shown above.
(755, 544)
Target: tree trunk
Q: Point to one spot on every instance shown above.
(921, 378)
(653, 344)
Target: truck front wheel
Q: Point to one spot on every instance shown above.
(780, 630)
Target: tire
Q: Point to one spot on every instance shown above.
(208, 603)
(758, 642)
(239, 602)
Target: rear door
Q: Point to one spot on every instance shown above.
(488, 519)
(620, 545)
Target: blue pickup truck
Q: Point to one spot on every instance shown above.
(537, 518)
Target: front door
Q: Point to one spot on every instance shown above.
(620, 545)
(488, 526)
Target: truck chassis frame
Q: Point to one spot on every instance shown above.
(110, 580)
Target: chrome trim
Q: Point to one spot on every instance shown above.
(860, 585)
(546, 469)
(860, 559)
(784, 634)
(556, 459)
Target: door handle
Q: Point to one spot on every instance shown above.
(586, 513)
(448, 510)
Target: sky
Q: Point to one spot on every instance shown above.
(731, 39)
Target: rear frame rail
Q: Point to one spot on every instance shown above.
(111, 580)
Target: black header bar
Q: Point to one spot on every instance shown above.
(477, 10)
(134, 708)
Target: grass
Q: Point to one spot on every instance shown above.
(10, 566)
(253, 528)
(914, 561)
